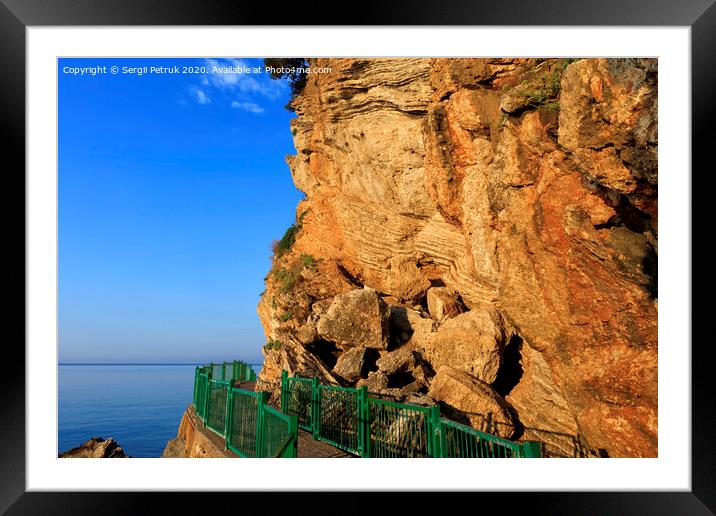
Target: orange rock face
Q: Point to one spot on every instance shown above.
(525, 187)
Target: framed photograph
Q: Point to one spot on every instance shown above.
(432, 233)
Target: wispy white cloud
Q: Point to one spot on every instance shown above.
(234, 82)
(230, 75)
(247, 106)
(199, 95)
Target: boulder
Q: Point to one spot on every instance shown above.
(307, 333)
(376, 381)
(357, 318)
(96, 448)
(405, 280)
(443, 303)
(472, 401)
(471, 342)
(350, 364)
(407, 363)
(542, 408)
(397, 361)
(515, 101)
(419, 399)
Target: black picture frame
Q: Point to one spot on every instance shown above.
(16, 15)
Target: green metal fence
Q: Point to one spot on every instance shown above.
(201, 389)
(237, 371)
(277, 434)
(338, 417)
(458, 440)
(298, 397)
(369, 427)
(249, 426)
(243, 435)
(216, 410)
(398, 430)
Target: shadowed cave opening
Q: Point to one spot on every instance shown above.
(510, 372)
(650, 266)
(370, 360)
(400, 328)
(325, 351)
(400, 379)
(635, 220)
(423, 303)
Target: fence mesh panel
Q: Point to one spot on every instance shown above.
(200, 404)
(244, 424)
(216, 413)
(276, 440)
(299, 401)
(460, 441)
(398, 431)
(339, 417)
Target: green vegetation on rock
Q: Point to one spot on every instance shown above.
(273, 344)
(281, 247)
(288, 277)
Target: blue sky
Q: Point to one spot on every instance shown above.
(171, 189)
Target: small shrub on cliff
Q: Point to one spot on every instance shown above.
(281, 247)
(546, 90)
(550, 106)
(294, 69)
(285, 316)
(272, 344)
(288, 277)
(308, 261)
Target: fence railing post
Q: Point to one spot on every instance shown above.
(207, 398)
(260, 423)
(284, 391)
(293, 431)
(315, 408)
(196, 381)
(363, 421)
(532, 449)
(228, 424)
(211, 370)
(435, 432)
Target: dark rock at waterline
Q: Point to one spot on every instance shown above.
(96, 448)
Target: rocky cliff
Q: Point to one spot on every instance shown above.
(96, 448)
(481, 233)
(194, 440)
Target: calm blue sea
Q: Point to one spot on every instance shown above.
(140, 406)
